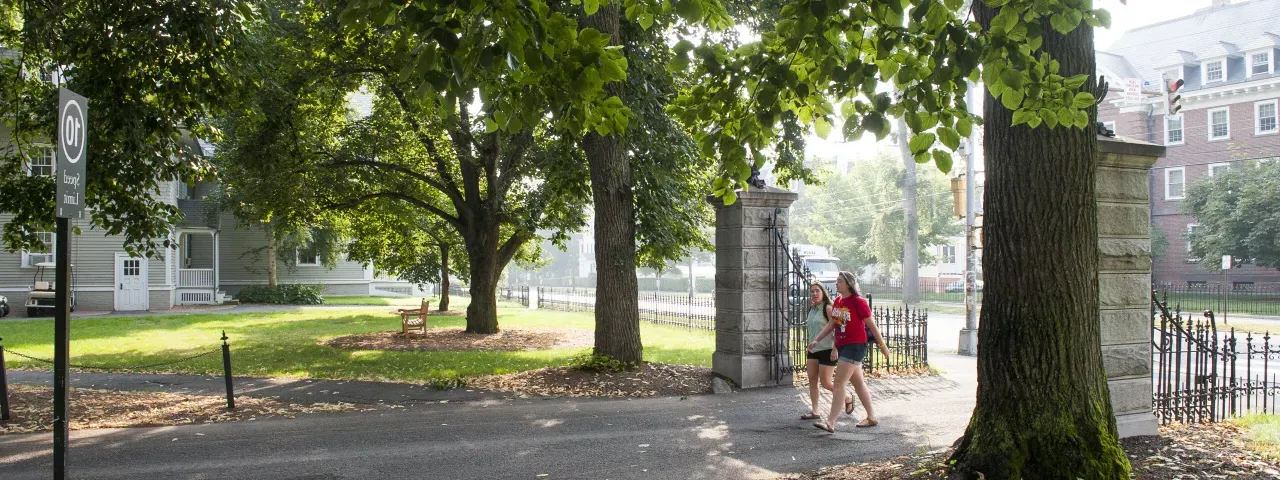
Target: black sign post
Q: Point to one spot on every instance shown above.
(70, 175)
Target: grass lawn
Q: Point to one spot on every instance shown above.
(288, 344)
(455, 303)
(1264, 434)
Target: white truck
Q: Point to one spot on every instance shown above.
(821, 264)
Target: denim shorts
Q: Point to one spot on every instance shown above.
(853, 352)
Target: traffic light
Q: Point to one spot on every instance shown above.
(1173, 99)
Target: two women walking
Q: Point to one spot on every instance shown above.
(849, 319)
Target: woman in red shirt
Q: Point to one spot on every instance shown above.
(851, 320)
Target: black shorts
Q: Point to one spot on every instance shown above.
(853, 353)
(822, 356)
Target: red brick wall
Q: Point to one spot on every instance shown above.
(1194, 155)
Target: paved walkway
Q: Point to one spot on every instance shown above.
(743, 435)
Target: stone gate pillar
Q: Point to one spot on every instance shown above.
(1124, 278)
(743, 333)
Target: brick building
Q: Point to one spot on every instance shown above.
(1226, 54)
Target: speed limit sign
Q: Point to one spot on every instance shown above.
(73, 123)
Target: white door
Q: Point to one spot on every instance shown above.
(131, 283)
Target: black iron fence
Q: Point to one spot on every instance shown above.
(660, 308)
(519, 294)
(1243, 299)
(904, 330)
(1204, 374)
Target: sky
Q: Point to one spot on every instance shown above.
(1132, 14)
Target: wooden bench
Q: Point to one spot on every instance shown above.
(414, 318)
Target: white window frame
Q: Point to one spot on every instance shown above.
(1257, 117)
(1204, 71)
(1111, 125)
(1270, 62)
(44, 152)
(948, 254)
(1213, 167)
(1209, 123)
(298, 259)
(1182, 171)
(1191, 230)
(1182, 134)
(30, 257)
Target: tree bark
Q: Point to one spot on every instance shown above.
(911, 240)
(1043, 408)
(444, 277)
(272, 256)
(482, 312)
(617, 291)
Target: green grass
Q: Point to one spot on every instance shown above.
(1264, 434)
(287, 344)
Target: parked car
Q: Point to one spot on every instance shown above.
(958, 286)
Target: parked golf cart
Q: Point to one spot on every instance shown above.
(41, 301)
(4, 306)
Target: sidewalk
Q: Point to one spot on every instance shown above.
(743, 435)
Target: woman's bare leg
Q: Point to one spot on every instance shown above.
(843, 371)
(816, 377)
(864, 394)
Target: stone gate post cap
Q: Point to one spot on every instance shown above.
(1129, 146)
(767, 196)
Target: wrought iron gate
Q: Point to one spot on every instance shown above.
(789, 292)
(1204, 374)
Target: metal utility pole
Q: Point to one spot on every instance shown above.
(969, 334)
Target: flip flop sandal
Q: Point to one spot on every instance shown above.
(865, 424)
(810, 416)
(848, 407)
(824, 427)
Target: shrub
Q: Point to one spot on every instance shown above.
(281, 294)
(600, 363)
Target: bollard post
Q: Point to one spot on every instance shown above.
(4, 388)
(226, 371)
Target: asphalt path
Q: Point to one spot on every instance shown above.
(742, 435)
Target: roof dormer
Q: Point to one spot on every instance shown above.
(1171, 67)
(1260, 54)
(1213, 63)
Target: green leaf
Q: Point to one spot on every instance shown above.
(1076, 81)
(949, 137)
(1083, 100)
(922, 157)
(591, 6)
(1082, 119)
(645, 20)
(1061, 23)
(964, 127)
(490, 125)
(1104, 17)
(921, 142)
(1049, 117)
(1011, 99)
(943, 160)
(1020, 117)
(1012, 79)
(822, 127)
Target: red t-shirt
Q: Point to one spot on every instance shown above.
(856, 330)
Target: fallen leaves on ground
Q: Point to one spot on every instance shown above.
(32, 409)
(1199, 451)
(509, 339)
(647, 380)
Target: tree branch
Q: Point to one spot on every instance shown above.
(357, 201)
(438, 185)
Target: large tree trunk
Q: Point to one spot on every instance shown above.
(444, 278)
(617, 291)
(272, 256)
(911, 240)
(1043, 408)
(482, 255)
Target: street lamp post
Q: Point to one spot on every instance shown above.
(969, 334)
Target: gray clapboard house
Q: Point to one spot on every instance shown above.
(212, 261)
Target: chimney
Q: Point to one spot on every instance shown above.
(1221, 3)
